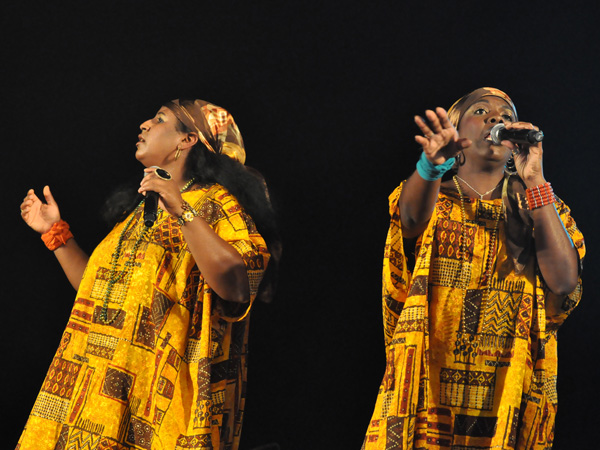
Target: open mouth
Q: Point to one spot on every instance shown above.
(488, 136)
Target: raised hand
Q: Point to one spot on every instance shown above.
(440, 140)
(38, 215)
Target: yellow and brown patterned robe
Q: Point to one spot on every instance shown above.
(466, 369)
(169, 371)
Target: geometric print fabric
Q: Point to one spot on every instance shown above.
(139, 380)
(478, 380)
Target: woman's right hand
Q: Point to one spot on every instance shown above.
(440, 139)
(40, 216)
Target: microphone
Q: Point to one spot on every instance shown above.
(151, 201)
(499, 133)
(150, 208)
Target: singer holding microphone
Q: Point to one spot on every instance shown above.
(470, 327)
(154, 353)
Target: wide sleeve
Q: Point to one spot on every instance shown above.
(572, 300)
(229, 220)
(396, 275)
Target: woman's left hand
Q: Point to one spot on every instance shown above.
(528, 158)
(170, 198)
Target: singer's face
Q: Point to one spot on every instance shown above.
(159, 139)
(478, 120)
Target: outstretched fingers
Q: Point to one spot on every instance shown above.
(435, 123)
(435, 120)
(424, 127)
(443, 118)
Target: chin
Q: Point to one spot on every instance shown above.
(140, 159)
(499, 152)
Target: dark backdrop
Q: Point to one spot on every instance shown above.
(324, 93)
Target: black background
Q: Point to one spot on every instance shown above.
(324, 93)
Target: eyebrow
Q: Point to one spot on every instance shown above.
(486, 101)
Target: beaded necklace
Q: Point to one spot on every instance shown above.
(113, 275)
(467, 345)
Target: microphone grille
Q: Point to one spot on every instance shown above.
(495, 133)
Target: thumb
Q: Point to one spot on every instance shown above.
(48, 196)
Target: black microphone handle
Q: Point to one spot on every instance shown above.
(522, 136)
(519, 136)
(150, 208)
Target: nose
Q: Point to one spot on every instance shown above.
(145, 126)
(496, 118)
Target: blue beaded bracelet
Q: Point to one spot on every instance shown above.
(430, 171)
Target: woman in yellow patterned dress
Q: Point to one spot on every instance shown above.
(154, 353)
(470, 331)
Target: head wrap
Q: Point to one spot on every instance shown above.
(214, 125)
(459, 107)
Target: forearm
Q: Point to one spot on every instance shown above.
(555, 252)
(556, 255)
(416, 204)
(220, 264)
(73, 261)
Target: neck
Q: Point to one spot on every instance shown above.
(480, 184)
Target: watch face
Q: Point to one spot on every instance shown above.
(188, 216)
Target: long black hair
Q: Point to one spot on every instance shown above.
(246, 184)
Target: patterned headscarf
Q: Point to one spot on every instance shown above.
(215, 126)
(457, 110)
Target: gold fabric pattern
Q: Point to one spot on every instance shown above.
(465, 369)
(169, 371)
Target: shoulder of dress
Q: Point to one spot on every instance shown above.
(208, 190)
(212, 198)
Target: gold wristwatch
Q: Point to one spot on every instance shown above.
(187, 215)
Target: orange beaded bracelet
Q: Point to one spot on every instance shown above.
(57, 236)
(539, 196)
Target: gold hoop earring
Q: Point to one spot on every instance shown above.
(177, 153)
